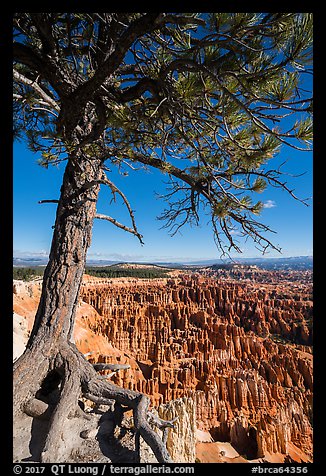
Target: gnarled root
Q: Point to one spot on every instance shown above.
(67, 404)
(139, 403)
(38, 409)
(78, 377)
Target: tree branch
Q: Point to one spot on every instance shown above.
(134, 92)
(120, 225)
(44, 30)
(25, 55)
(48, 201)
(37, 88)
(157, 421)
(138, 27)
(114, 367)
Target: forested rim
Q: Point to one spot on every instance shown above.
(30, 273)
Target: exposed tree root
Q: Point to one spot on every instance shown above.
(93, 386)
(79, 378)
(67, 404)
(113, 367)
(38, 409)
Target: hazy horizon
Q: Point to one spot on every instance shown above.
(39, 257)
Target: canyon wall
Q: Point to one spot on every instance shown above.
(236, 354)
(242, 352)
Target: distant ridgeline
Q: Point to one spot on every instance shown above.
(122, 272)
(297, 263)
(116, 271)
(151, 271)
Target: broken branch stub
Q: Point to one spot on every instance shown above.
(114, 367)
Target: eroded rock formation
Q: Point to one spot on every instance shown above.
(240, 351)
(181, 440)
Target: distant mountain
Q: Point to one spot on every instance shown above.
(101, 262)
(292, 262)
(29, 262)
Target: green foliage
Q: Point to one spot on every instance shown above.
(27, 274)
(208, 99)
(117, 272)
(189, 86)
(283, 87)
(257, 208)
(304, 130)
(259, 185)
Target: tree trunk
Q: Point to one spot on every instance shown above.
(55, 316)
(51, 361)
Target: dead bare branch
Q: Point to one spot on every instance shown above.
(114, 367)
(37, 88)
(48, 201)
(100, 216)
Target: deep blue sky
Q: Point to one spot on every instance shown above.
(32, 222)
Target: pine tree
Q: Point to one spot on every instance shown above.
(208, 99)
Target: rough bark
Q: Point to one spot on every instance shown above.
(71, 239)
(62, 277)
(51, 363)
